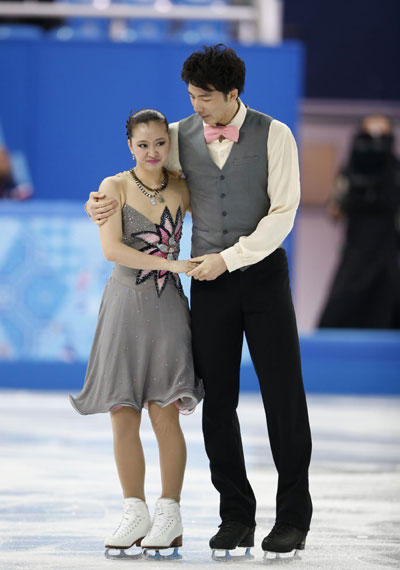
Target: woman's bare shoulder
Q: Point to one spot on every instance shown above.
(114, 185)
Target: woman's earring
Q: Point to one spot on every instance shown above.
(133, 157)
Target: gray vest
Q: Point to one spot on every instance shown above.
(228, 203)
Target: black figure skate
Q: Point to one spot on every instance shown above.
(232, 535)
(283, 543)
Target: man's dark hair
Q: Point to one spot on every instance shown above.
(144, 116)
(215, 66)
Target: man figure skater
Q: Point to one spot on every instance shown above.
(241, 167)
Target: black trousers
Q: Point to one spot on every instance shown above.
(258, 303)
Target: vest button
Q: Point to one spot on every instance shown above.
(222, 177)
(223, 195)
(224, 231)
(224, 213)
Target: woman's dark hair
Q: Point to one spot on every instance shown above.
(144, 116)
(217, 66)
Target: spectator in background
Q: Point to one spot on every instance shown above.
(9, 187)
(366, 288)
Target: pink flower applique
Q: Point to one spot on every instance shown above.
(164, 242)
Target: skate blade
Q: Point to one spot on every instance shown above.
(174, 555)
(110, 554)
(228, 557)
(281, 557)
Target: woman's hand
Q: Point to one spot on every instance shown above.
(182, 266)
(99, 207)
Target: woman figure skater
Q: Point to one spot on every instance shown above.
(141, 354)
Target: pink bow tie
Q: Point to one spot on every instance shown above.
(212, 133)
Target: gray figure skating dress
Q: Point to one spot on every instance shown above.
(142, 346)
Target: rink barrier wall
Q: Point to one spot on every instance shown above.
(52, 274)
(345, 362)
(334, 362)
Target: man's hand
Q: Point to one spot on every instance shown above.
(209, 267)
(99, 207)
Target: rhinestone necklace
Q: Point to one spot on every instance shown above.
(141, 185)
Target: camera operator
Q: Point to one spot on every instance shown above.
(365, 292)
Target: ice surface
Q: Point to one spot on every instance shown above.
(60, 495)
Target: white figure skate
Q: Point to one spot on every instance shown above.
(165, 532)
(134, 525)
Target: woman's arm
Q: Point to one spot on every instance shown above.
(115, 250)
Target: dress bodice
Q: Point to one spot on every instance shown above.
(162, 240)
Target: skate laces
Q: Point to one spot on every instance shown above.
(130, 520)
(163, 520)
